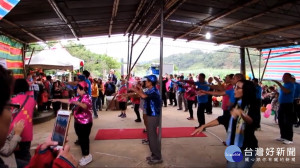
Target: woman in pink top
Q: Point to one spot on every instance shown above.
(226, 104)
(25, 99)
(136, 100)
(190, 96)
(83, 120)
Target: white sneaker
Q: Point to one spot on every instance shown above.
(85, 160)
(287, 142)
(81, 160)
(280, 139)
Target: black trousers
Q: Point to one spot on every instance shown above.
(172, 98)
(209, 105)
(257, 109)
(285, 120)
(136, 110)
(100, 100)
(190, 107)
(94, 104)
(48, 104)
(56, 106)
(297, 111)
(83, 132)
(164, 98)
(23, 154)
(200, 113)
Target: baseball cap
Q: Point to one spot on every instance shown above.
(81, 77)
(151, 78)
(83, 84)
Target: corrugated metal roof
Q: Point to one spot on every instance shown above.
(247, 23)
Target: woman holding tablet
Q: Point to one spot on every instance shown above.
(83, 120)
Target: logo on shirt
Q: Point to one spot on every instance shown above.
(233, 153)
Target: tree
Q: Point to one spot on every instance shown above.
(97, 64)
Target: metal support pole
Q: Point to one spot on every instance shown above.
(139, 55)
(128, 54)
(128, 70)
(23, 59)
(242, 58)
(259, 77)
(122, 66)
(30, 57)
(161, 67)
(262, 76)
(250, 63)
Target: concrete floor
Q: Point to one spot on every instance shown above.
(177, 152)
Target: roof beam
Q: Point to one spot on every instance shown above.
(137, 13)
(149, 25)
(143, 19)
(167, 16)
(113, 15)
(168, 5)
(217, 17)
(276, 43)
(62, 17)
(247, 19)
(24, 30)
(273, 30)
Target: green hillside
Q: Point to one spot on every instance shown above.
(227, 58)
(219, 62)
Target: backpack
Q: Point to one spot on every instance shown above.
(110, 88)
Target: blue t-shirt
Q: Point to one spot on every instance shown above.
(90, 86)
(287, 97)
(230, 93)
(180, 86)
(171, 84)
(258, 92)
(152, 103)
(297, 91)
(203, 98)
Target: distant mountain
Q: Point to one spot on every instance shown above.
(228, 58)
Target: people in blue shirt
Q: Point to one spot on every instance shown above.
(152, 106)
(180, 93)
(201, 84)
(258, 99)
(284, 96)
(285, 112)
(297, 89)
(172, 92)
(297, 101)
(237, 77)
(87, 75)
(230, 93)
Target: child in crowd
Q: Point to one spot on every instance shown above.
(45, 96)
(122, 98)
(135, 99)
(275, 106)
(95, 95)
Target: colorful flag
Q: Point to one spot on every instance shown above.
(6, 6)
(11, 55)
(282, 60)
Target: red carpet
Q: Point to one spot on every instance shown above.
(171, 132)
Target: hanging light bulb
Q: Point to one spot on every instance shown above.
(208, 35)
